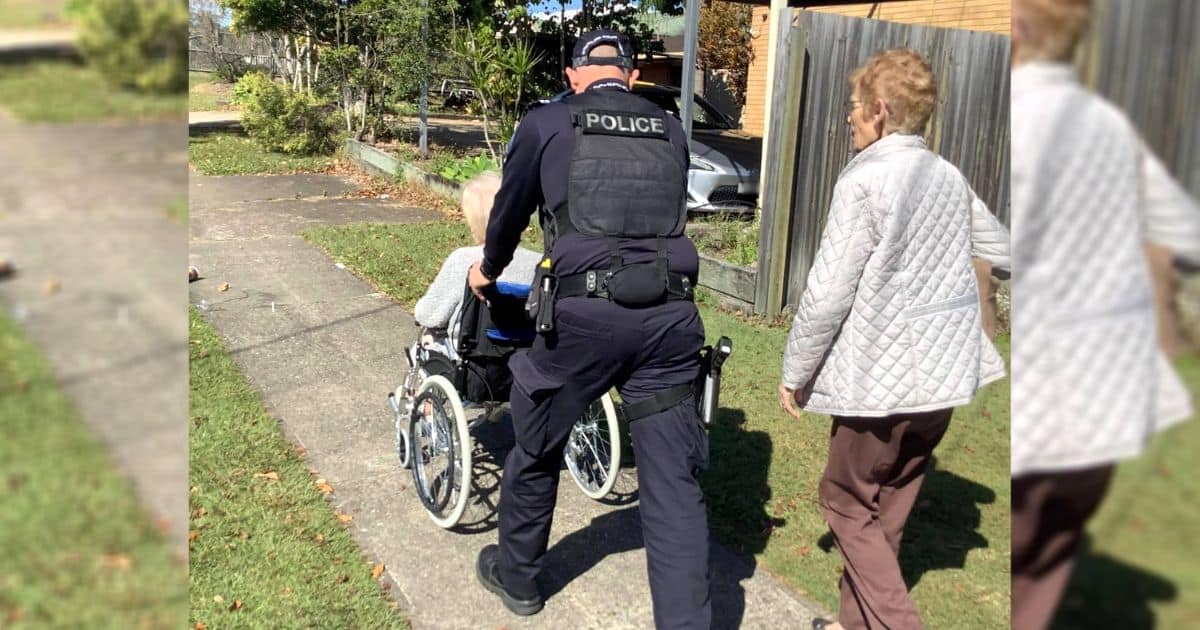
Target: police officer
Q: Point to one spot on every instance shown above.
(608, 171)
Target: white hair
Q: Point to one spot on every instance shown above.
(478, 193)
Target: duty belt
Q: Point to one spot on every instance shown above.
(595, 284)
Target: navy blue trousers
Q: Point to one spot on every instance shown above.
(598, 345)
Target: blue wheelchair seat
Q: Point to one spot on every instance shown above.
(512, 334)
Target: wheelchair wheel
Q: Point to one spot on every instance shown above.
(441, 451)
(593, 452)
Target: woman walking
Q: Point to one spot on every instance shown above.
(887, 337)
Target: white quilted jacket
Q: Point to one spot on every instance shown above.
(889, 320)
(1090, 385)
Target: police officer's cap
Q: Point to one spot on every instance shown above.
(602, 37)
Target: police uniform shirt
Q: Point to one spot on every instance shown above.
(535, 174)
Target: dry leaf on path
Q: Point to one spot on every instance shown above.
(224, 286)
(120, 561)
(51, 287)
(377, 571)
(345, 518)
(325, 488)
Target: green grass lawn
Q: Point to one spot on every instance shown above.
(206, 93)
(1141, 569)
(61, 91)
(761, 487)
(31, 13)
(76, 548)
(266, 549)
(236, 154)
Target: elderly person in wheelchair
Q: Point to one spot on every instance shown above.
(458, 375)
(439, 309)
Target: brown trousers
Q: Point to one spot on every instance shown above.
(870, 485)
(1049, 512)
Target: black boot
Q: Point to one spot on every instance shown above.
(487, 569)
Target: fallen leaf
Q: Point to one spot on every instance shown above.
(203, 354)
(120, 561)
(301, 451)
(218, 599)
(804, 551)
(193, 535)
(345, 518)
(273, 476)
(377, 571)
(16, 614)
(343, 578)
(52, 286)
(287, 591)
(200, 626)
(224, 286)
(237, 603)
(320, 539)
(325, 488)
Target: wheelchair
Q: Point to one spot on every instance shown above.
(454, 386)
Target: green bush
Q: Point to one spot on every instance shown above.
(138, 44)
(462, 169)
(282, 120)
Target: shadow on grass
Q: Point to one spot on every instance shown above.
(943, 528)
(1105, 592)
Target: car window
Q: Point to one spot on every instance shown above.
(703, 116)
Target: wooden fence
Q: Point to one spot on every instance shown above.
(1145, 57)
(812, 142)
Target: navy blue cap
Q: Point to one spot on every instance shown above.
(602, 37)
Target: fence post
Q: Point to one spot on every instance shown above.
(779, 175)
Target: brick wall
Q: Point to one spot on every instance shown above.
(993, 16)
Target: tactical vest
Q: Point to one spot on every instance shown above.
(625, 181)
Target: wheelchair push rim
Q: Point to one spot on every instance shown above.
(440, 445)
(593, 451)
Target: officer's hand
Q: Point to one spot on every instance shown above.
(787, 400)
(477, 281)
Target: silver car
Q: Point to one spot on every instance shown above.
(723, 174)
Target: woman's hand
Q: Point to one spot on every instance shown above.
(787, 400)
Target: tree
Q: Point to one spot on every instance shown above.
(498, 69)
(724, 42)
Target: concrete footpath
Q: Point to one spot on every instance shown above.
(99, 287)
(324, 348)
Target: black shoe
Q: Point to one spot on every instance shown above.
(487, 569)
(821, 624)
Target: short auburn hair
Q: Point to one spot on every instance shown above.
(1050, 29)
(905, 82)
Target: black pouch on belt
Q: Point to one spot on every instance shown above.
(638, 285)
